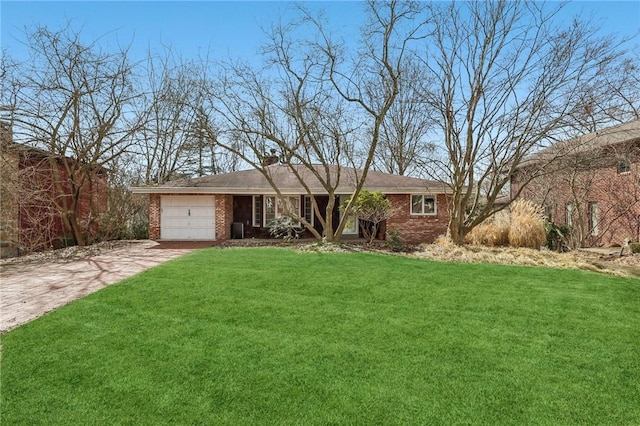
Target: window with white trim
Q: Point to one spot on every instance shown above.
(423, 205)
(624, 166)
(275, 207)
(257, 211)
(548, 213)
(308, 209)
(593, 219)
(569, 214)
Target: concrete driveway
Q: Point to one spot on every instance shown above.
(30, 290)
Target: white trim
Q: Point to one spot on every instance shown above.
(594, 219)
(256, 223)
(277, 213)
(304, 213)
(568, 214)
(424, 197)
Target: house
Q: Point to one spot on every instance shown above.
(590, 183)
(211, 207)
(35, 193)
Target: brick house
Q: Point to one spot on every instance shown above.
(241, 204)
(34, 186)
(591, 183)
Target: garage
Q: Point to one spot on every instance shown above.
(184, 217)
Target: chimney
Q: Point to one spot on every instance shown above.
(270, 159)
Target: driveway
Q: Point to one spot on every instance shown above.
(29, 290)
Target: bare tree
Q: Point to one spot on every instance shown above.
(403, 143)
(74, 101)
(610, 98)
(315, 102)
(169, 115)
(126, 215)
(505, 73)
(178, 138)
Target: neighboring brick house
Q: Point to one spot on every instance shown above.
(591, 183)
(32, 193)
(241, 204)
(8, 202)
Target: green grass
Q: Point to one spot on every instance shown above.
(272, 336)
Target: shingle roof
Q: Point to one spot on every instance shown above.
(254, 182)
(622, 133)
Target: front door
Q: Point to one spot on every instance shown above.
(351, 228)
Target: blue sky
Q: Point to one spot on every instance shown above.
(225, 28)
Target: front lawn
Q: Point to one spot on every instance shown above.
(275, 336)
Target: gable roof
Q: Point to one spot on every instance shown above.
(254, 182)
(611, 136)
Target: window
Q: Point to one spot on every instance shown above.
(593, 218)
(548, 213)
(624, 166)
(257, 211)
(275, 207)
(569, 213)
(423, 204)
(308, 209)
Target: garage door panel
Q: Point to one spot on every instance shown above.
(175, 211)
(196, 211)
(187, 218)
(202, 222)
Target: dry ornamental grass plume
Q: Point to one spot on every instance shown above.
(527, 225)
(493, 232)
(524, 227)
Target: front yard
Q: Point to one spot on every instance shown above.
(265, 335)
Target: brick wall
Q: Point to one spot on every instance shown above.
(224, 216)
(617, 196)
(154, 216)
(416, 229)
(8, 203)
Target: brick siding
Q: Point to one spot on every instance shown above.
(8, 204)
(224, 216)
(154, 216)
(416, 229)
(617, 196)
(413, 228)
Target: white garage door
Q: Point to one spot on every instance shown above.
(185, 217)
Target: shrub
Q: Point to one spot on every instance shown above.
(557, 236)
(634, 247)
(394, 240)
(371, 208)
(527, 225)
(285, 228)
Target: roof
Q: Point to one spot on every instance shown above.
(254, 182)
(620, 134)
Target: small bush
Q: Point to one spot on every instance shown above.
(285, 228)
(634, 247)
(527, 225)
(557, 236)
(394, 240)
